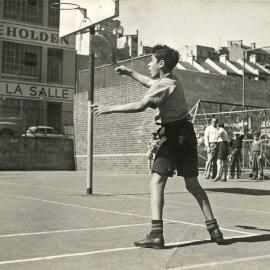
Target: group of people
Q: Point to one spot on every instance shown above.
(220, 150)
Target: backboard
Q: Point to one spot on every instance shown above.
(78, 15)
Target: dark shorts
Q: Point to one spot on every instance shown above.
(178, 150)
(223, 150)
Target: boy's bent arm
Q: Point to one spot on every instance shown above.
(132, 107)
(143, 79)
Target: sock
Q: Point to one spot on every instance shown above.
(157, 228)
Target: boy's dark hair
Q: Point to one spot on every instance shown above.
(221, 125)
(169, 55)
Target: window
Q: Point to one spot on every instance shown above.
(21, 60)
(54, 14)
(55, 65)
(29, 11)
(11, 108)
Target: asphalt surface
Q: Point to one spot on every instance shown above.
(48, 222)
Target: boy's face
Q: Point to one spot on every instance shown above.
(155, 66)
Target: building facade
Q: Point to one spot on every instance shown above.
(37, 71)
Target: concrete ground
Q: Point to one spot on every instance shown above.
(48, 222)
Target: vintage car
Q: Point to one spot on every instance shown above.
(42, 131)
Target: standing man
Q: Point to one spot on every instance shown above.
(210, 141)
(257, 156)
(178, 149)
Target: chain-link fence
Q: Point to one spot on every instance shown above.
(235, 120)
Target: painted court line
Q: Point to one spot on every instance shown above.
(135, 197)
(66, 255)
(213, 264)
(74, 230)
(38, 186)
(115, 212)
(190, 204)
(87, 253)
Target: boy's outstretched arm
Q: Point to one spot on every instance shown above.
(132, 107)
(144, 80)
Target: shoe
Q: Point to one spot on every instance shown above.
(214, 231)
(231, 177)
(254, 177)
(224, 180)
(150, 242)
(215, 179)
(238, 176)
(260, 177)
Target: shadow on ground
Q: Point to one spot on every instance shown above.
(176, 258)
(244, 191)
(227, 241)
(252, 228)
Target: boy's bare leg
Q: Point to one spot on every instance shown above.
(155, 238)
(157, 186)
(194, 187)
(219, 170)
(225, 170)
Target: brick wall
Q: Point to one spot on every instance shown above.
(23, 153)
(120, 140)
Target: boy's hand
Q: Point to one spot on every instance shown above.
(100, 109)
(123, 70)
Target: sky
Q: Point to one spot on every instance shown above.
(197, 22)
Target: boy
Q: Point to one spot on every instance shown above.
(236, 146)
(178, 150)
(256, 155)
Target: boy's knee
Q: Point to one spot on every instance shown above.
(192, 185)
(158, 179)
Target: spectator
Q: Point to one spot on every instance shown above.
(235, 154)
(222, 154)
(256, 155)
(210, 141)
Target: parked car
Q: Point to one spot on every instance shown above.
(42, 131)
(11, 126)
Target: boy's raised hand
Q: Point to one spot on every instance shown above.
(123, 70)
(100, 109)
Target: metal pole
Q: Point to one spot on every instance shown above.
(243, 91)
(89, 114)
(244, 88)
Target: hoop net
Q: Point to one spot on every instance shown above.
(71, 14)
(78, 15)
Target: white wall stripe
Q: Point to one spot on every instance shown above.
(115, 155)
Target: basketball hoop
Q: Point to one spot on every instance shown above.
(72, 9)
(65, 6)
